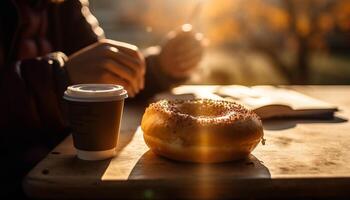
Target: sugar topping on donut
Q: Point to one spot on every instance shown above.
(203, 110)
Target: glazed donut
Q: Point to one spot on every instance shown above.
(201, 130)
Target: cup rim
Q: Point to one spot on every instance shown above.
(95, 92)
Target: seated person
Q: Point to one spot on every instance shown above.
(47, 45)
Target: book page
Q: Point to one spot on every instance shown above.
(295, 100)
(252, 97)
(249, 97)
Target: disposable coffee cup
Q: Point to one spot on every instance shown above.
(94, 113)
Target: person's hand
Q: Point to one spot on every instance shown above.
(181, 52)
(108, 61)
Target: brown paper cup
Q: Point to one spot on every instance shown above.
(94, 113)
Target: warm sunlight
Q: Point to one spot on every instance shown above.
(175, 99)
(251, 42)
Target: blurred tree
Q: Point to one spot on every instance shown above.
(272, 27)
(164, 15)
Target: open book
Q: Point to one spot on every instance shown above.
(266, 101)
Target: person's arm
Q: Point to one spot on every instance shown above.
(78, 26)
(156, 79)
(31, 89)
(31, 120)
(172, 62)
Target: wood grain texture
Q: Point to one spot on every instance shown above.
(301, 158)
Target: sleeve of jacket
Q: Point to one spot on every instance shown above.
(79, 27)
(156, 80)
(32, 91)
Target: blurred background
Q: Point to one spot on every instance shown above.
(250, 41)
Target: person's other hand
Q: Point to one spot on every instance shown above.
(108, 61)
(181, 52)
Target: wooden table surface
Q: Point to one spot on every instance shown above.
(301, 158)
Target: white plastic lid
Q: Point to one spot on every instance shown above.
(95, 93)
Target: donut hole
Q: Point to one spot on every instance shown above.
(197, 109)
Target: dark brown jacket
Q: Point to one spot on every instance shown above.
(31, 115)
(32, 119)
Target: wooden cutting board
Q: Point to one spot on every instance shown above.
(300, 159)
